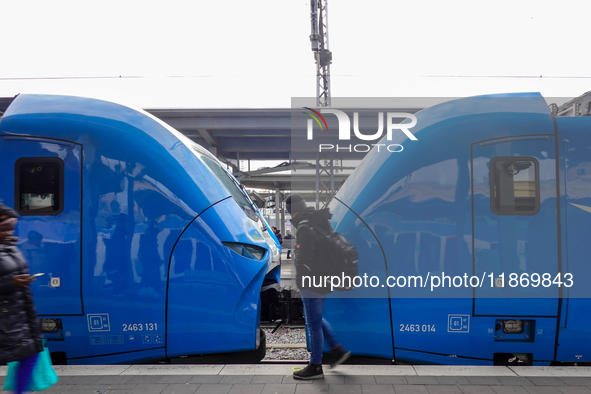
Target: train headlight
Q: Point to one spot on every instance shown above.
(246, 250)
(513, 326)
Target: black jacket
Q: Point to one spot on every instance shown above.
(20, 334)
(278, 236)
(310, 251)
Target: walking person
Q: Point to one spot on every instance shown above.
(20, 334)
(289, 238)
(309, 257)
(277, 234)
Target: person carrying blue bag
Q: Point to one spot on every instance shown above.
(20, 333)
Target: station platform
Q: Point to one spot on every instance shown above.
(356, 379)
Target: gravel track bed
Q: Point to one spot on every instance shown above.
(286, 336)
(286, 355)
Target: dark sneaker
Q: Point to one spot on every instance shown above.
(338, 356)
(312, 371)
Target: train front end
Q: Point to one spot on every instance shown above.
(150, 250)
(216, 272)
(444, 226)
(215, 279)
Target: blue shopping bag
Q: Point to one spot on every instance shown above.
(43, 374)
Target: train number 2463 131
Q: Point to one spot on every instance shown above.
(140, 327)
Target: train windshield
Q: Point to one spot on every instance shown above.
(229, 183)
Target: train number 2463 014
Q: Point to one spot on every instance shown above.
(417, 327)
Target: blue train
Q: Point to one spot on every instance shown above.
(477, 235)
(149, 247)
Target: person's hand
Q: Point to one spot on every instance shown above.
(23, 280)
(7, 229)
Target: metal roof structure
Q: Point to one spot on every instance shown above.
(4, 103)
(237, 134)
(579, 106)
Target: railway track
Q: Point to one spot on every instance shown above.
(285, 344)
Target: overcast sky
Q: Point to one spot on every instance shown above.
(252, 54)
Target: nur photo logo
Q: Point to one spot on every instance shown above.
(344, 123)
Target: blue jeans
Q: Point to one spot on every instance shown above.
(25, 372)
(318, 328)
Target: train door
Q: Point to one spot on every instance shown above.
(575, 140)
(515, 242)
(41, 180)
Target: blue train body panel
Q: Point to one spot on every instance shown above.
(575, 142)
(122, 212)
(200, 274)
(493, 186)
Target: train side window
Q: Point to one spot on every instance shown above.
(515, 185)
(39, 183)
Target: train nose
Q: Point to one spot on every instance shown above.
(373, 271)
(366, 309)
(215, 279)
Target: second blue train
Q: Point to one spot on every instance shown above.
(496, 191)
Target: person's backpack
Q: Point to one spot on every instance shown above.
(342, 256)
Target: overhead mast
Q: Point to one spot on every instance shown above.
(322, 56)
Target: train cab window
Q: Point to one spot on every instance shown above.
(231, 184)
(515, 185)
(39, 186)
